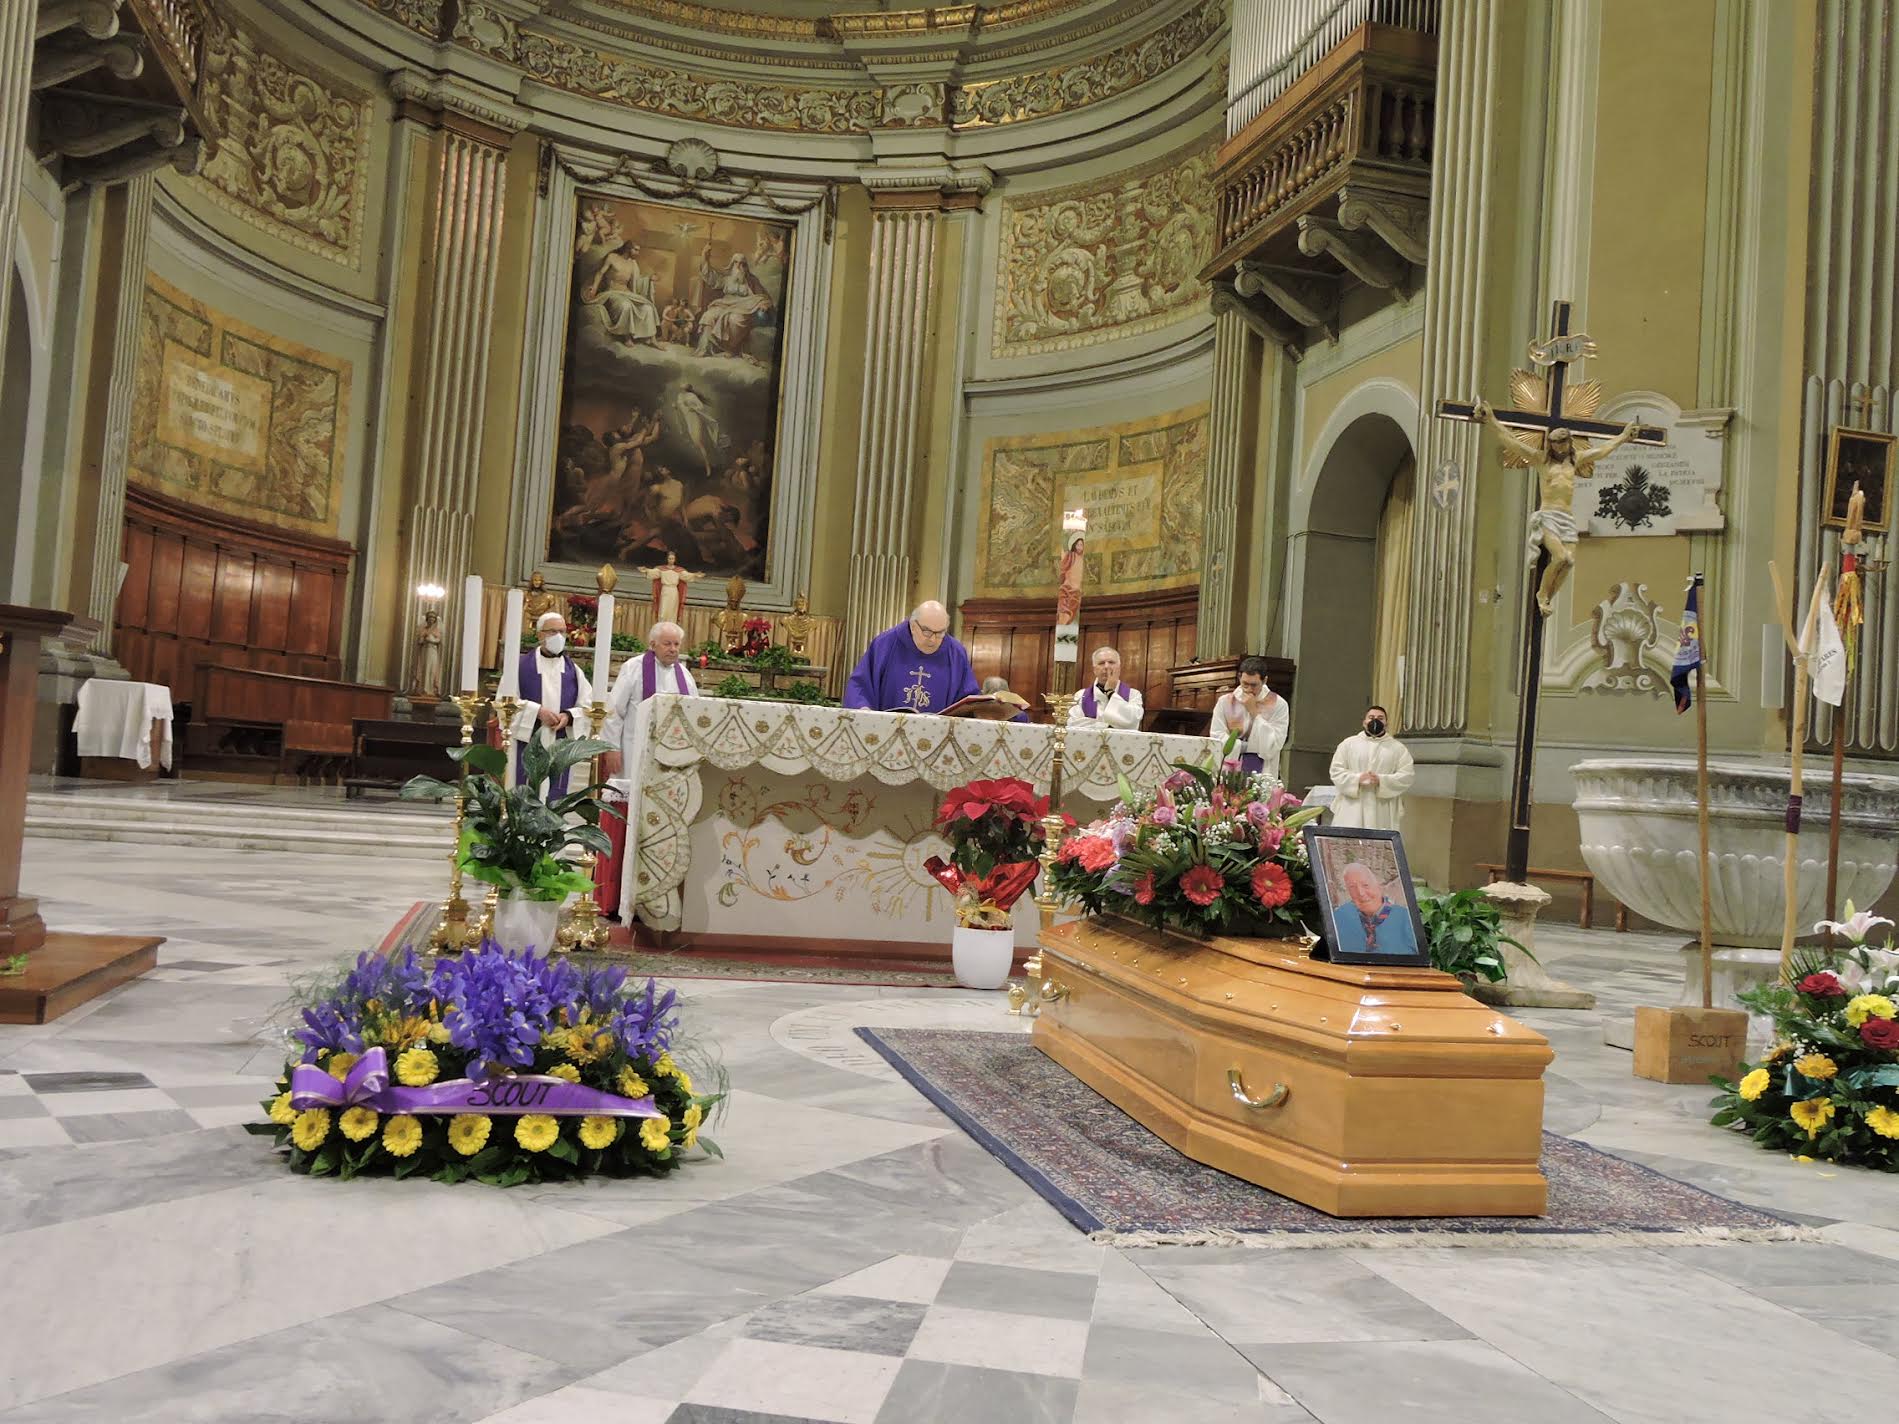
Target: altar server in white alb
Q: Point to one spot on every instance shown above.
(554, 695)
(1108, 702)
(659, 669)
(1372, 771)
(1255, 714)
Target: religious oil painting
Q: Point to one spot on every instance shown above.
(670, 388)
(1863, 458)
(1366, 898)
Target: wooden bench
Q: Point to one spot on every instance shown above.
(1586, 918)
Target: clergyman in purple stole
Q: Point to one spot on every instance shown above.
(537, 670)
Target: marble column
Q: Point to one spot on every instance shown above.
(17, 25)
(133, 209)
(1226, 459)
(901, 277)
(451, 367)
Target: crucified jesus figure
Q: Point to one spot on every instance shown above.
(1560, 460)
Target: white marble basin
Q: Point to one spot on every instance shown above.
(1637, 821)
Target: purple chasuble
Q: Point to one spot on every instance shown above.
(649, 677)
(893, 676)
(569, 700)
(1088, 707)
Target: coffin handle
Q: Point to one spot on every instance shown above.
(1053, 992)
(1238, 1084)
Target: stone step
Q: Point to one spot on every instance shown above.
(313, 830)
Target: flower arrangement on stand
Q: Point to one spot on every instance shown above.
(1211, 850)
(508, 1068)
(995, 833)
(1829, 1086)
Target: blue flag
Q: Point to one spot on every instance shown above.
(1688, 655)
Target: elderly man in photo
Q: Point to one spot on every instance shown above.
(1371, 771)
(1107, 702)
(553, 691)
(1256, 715)
(659, 669)
(914, 667)
(1368, 922)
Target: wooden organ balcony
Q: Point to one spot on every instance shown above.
(1328, 188)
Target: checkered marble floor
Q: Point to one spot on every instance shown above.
(854, 1258)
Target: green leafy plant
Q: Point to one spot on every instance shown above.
(627, 643)
(735, 686)
(1464, 928)
(514, 838)
(12, 966)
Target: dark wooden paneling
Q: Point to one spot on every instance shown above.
(197, 589)
(1015, 639)
(167, 581)
(270, 606)
(136, 595)
(231, 604)
(309, 611)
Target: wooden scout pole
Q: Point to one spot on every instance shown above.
(1701, 798)
(1790, 871)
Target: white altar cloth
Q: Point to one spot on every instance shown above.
(819, 818)
(115, 720)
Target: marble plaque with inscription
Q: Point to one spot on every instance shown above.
(1657, 489)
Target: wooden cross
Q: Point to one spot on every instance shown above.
(1555, 355)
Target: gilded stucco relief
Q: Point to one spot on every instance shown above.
(294, 159)
(1106, 259)
(1142, 484)
(231, 418)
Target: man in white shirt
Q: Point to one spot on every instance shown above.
(1372, 772)
(1107, 702)
(658, 669)
(554, 695)
(1255, 714)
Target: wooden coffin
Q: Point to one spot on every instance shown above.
(1373, 1092)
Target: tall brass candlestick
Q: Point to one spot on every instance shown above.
(453, 933)
(582, 928)
(505, 708)
(1059, 701)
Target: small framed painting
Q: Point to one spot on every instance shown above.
(1366, 899)
(1863, 458)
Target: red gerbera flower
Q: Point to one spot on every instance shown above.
(1272, 887)
(1144, 895)
(1202, 884)
(1096, 853)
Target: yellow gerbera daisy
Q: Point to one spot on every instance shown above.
(665, 1067)
(398, 1033)
(359, 1123)
(598, 1132)
(438, 1033)
(1777, 1052)
(632, 1085)
(418, 1068)
(656, 1134)
(402, 1135)
(1883, 1121)
(536, 1132)
(1813, 1114)
(1869, 1006)
(565, 1071)
(694, 1115)
(468, 1132)
(310, 1128)
(1755, 1083)
(1816, 1066)
(340, 1064)
(281, 1112)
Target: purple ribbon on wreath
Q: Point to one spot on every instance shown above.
(367, 1085)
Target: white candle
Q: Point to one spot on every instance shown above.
(511, 647)
(471, 633)
(602, 647)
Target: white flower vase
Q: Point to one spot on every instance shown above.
(982, 958)
(521, 923)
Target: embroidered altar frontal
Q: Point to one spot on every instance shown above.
(774, 823)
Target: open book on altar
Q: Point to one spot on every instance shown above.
(986, 706)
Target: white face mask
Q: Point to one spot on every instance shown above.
(554, 644)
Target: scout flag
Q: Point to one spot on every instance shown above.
(1688, 655)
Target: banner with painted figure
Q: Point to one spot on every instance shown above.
(670, 388)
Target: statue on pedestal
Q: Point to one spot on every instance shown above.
(797, 625)
(538, 599)
(669, 589)
(425, 683)
(732, 617)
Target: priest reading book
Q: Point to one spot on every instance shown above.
(914, 667)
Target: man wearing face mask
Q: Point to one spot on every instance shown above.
(554, 691)
(1372, 771)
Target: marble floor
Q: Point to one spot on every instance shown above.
(854, 1258)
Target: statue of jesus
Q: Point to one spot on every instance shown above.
(1560, 462)
(669, 589)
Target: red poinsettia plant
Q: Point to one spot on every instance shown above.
(995, 833)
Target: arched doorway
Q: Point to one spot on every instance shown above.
(16, 409)
(1351, 561)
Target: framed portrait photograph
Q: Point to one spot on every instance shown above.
(1865, 458)
(1366, 899)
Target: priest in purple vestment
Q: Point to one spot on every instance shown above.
(1107, 702)
(554, 694)
(913, 667)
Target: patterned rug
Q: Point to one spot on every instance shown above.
(1113, 1178)
(412, 931)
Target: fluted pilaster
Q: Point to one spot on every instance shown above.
(1437, 672)
(452, 373)
(108, 532)
(1226, 457)
(901, 277)
(16, 76)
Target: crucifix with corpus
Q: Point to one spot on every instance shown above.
(1553, 413)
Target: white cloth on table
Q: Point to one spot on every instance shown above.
(1376, 808)
(115, 720)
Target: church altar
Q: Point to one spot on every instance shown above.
(768, 821)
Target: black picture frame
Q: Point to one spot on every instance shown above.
(1333, 851)
(1865, 457)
